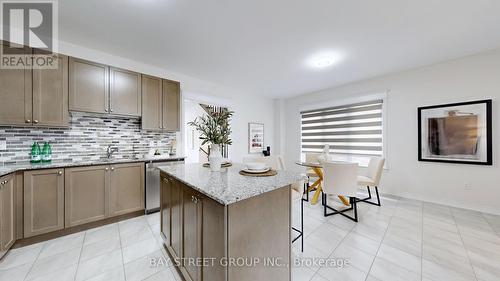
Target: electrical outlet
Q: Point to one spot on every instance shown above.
(467, 186)
(3, 145)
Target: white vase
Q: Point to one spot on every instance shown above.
(215, 158)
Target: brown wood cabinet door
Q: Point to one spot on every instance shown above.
(126, 193)
(214, 243)
(7, 213)
(86, 194)
(176, 220)
(171, 105)
(15, 97)
(88, 86)
(50, 95)
(192, 232)
(151, 103)
(43, 201)
(125, 92)
(165, 209)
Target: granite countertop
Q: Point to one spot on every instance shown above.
(228, 186)
(11, 168)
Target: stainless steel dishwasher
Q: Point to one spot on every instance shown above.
(153, 183)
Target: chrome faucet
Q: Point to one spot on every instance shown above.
(110, 150)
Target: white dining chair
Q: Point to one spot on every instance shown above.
(277, 163)
(312, 158)
(372, 179)
(340, 179)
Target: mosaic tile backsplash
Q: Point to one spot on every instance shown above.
(87, 138)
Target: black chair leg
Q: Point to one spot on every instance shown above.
(302, 223)
(378, 197)
(366, 200)
(306, 190)
(301, 231)
(353, 207)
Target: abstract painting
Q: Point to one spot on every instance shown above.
(456, 133)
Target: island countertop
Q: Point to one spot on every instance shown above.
(228, 186)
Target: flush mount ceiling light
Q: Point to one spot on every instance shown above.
(324, 60)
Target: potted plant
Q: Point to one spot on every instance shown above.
(215, 129)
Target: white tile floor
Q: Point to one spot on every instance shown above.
(402, 240)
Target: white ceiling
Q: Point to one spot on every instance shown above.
(263, 46)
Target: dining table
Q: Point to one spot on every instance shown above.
(317, 167)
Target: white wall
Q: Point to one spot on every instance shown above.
(247, 107)
(471, 78)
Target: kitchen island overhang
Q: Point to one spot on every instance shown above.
(225, 226)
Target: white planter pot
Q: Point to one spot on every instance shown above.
(215, 158)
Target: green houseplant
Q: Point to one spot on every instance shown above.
(214, 128)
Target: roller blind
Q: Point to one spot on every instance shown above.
(352, 130)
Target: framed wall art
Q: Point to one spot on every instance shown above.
(456, 133)
(255, 137)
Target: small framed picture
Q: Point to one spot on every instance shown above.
(456, 133)
(255, 137)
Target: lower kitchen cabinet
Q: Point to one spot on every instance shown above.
(43, 201)
(86, 194)
(171, 215)
(193, 228)
(165, 214)
(97, 192)
(192, 209)
(7, 213)
(126, 193)
(176, 219)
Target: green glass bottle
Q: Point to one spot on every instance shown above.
(35, 153)
(46, 152)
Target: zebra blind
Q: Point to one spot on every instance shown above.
(351, 131)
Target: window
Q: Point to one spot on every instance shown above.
(354, 132)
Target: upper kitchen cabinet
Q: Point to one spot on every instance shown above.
(88, 86)
(50, 94)
(35, 96)
(171, 105)
(125, 92)
(151, 103)
(15, 95)
(160, 104)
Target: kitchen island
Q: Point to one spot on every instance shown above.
(224, 226)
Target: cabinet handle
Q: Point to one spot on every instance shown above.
(35, 121)
(194, 199)
(28, 121)
(106, 110)
(166, 180)
(107, 169)
(59, 173)
(111, 110)
(112, 168)
(2, 183)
